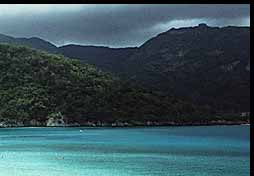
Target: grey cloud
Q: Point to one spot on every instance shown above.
(119, 25)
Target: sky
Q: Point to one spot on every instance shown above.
(112, 25)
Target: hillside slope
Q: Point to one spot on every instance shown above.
(37, 88)
(105, 58)
(208, 65)
(33, 42)
(205, 65)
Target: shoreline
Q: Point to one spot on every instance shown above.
(132, 125)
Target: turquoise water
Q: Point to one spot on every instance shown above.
(157, 151)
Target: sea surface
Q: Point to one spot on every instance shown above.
(150, 151)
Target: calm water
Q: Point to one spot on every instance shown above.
(158, 151)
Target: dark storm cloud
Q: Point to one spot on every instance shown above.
(113, 25)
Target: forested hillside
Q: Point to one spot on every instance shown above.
(36, 87)
(208, 66)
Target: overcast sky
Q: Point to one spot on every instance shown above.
(112, 25)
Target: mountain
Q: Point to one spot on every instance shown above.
(208, 65)
(108, 59)
(205, 65)
(37, 88)
(33, 42)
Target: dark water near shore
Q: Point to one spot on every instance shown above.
(153, 151)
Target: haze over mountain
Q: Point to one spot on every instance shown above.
(206, 65)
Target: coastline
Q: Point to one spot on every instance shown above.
(128, 124)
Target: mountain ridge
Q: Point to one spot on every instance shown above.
(201, 25)
(209, 65)
(34, 42)
(42, 89)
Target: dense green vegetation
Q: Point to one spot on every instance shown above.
(35, 85)
(208, 66)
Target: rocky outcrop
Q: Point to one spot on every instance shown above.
(56, 120)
